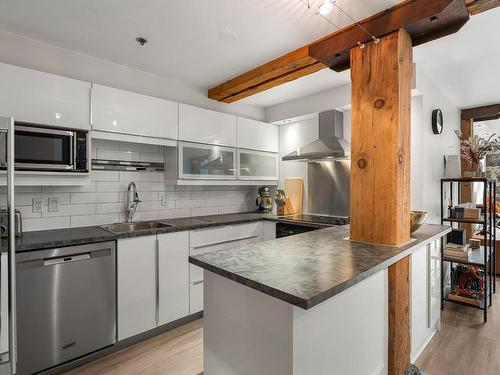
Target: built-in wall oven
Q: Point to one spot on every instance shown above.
(41, 148)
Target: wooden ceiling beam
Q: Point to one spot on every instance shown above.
(479, 6)
(425, 20)
(286, 68)
(484, 113)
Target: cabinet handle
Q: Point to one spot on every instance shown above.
(198, 282)
(226, 241)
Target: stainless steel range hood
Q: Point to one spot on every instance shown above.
(330, 145)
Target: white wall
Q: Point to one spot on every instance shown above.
(29, 53)
(293, 136)
(336, 98)
(434, 147)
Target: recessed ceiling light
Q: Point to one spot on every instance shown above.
(142, 41)
(228, 36)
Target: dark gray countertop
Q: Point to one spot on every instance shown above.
(307, 269)
(47, 239)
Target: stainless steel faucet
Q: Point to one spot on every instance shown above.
(132, 200)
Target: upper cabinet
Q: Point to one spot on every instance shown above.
(205, 126)
(126, 112)
(257, 135)
(37, 97)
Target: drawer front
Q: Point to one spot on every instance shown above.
(203, 237)
(241, 231)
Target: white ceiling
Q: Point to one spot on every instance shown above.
(466, 65)
(183, 35)
(184, 43)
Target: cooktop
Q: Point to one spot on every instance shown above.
(320, 219)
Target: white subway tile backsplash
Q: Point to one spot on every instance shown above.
(141, 176)
(204, 211)
(111, 208)
(169, 214)
(94, 197)
(87, 220)
(69, 189)
(190, 203)
(26, 199)
(98, 175)
(71, 210)
(46, 223)
(111, 186)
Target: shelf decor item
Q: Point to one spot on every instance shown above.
(474, 149)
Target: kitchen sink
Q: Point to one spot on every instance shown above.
(134, 226)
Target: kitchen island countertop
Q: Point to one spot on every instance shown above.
(307, 269)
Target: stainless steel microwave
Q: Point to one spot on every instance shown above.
(40, 148)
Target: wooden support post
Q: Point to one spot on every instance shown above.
(399, 317)
(381, 77)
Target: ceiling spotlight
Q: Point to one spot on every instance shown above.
(326, 7)
(142, 41)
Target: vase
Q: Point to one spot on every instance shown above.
(476, 170)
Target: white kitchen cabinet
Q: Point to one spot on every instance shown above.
(268, 230)
(257, 135)
(425, 296)
(205, 126)
(127, 112)
(136, 270)
(38, 97)
(257, 165)
(197, 161)
(173, 276)
(214, 239)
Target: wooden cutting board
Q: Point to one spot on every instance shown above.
(294, 190)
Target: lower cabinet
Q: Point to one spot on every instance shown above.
(136, 272)
(173, 276)
(153, 281)
(157, 285)
(214, 239)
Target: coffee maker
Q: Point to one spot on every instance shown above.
(264, 200)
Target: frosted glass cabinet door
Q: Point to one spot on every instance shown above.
(256, 165)
(206, 162)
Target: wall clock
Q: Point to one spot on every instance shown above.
(437, 121)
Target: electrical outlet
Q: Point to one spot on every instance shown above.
(37, 205)
(164, 200)
(53, 204)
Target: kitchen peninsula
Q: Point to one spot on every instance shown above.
(308, 304)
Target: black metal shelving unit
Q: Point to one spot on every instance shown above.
(484, 258)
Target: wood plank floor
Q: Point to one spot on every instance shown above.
(178, 352)
(464, 346)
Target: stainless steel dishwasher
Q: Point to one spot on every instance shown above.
(66, 304)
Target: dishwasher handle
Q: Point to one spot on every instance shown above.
(66, 259)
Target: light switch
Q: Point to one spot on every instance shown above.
(53, 204)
